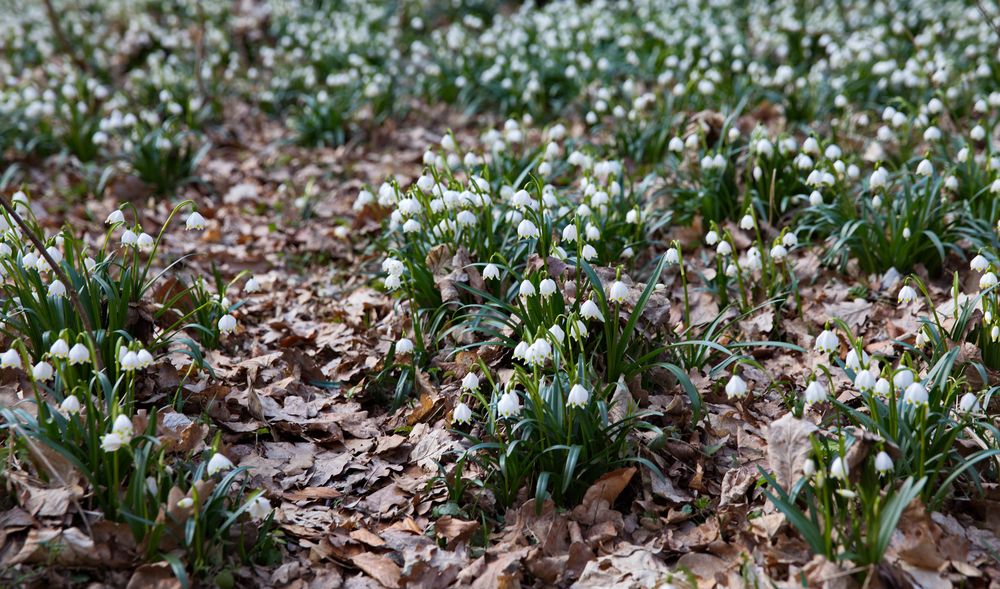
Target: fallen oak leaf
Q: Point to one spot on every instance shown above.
(379, 567)
(157, 575)
(604, 491)
(455, 531)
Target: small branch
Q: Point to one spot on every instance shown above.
(989, 19)
(55, 473)
(61, 38)
(57, 270)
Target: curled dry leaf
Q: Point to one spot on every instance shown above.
(455, 531)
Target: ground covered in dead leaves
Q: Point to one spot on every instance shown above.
(355, 487)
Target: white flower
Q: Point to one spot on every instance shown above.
(70, 405)
(808, 468)
(588, 252)
(864, 381)
(815, 393)
(470, 382)
(879, 179)
(527, 289)
(59, 349)
(724, 248)
(392, 266)
(227, 323)
(590, 310)
(144, 241)
(509, 405)
(980, 264)
(143, 359)
(259, 508)
(839, 469)
(123, 427)
(79, 354)
(746, 223)
(882, 387)
(736, 387)
(883, 462)
(129, 238)
(538, 352)
(968, 403)
(42, 371)
(925, 168)
(129, 362)
(461, 414)
(112, 442)
(116, 216)
(527, 230)
(10, 359)
(185, 503)
(779, 252)
(466, 218)
(404, 346)
(906, 295)
(411, 226)
(558, 333)
(618, 292)
(903, 378)
(218, 463)
(363, 199)
(987, 280)
(569, 233)
(827, 342)
(853, 361)
(672, 256)
(547, 287)
(491, 272)
(252, 285)
(578, 396)
(712, 237)
(915, 394)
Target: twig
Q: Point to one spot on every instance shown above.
(989, 19)
(73, 296)
(64, 43)
(55, 473)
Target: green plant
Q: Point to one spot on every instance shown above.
(167, 159)
(843, 518)
(89, 296)
(325, 119)
(557, 445)
(894, 229)
(929, 421)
